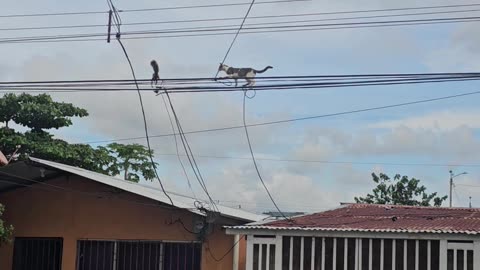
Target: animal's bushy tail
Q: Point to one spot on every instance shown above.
(263, 70)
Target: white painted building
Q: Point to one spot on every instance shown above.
(367, 237)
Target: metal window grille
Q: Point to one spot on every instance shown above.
(317, 253)
(137, 255)
(37, 253)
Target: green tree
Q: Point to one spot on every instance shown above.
(5, 230)
(39, 114)
(9, 106)
(401, 190)
(133, 160)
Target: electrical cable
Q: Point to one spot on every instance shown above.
(224, 31)
(253, 155)
(337, 76)
(235, 37)
(150, 154)
(189, 153)
(331, 162)
(147, 9)
(238, 18)
(176, 147)
(226, 253)
(214, 89)
(421, 101)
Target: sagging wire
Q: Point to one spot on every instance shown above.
(189, 153)
(176, 148)
(150, 152)
(245, 96)
(209, 250)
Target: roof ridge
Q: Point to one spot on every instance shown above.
(358, 205)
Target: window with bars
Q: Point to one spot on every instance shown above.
(37, 253)
(325, 253)
(137, 255)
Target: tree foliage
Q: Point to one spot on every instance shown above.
(133, 160)
(39, 114)
(401, 190)
(5, 230)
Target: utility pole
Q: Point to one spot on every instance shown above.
(451, 183)
(451, 187)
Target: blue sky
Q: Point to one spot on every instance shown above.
(443, 132)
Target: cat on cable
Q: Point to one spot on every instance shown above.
(247, 74)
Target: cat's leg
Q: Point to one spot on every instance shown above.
(250, 82)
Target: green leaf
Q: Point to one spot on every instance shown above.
(402, 190)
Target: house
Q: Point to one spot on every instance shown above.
(74, 219)
(367, 237)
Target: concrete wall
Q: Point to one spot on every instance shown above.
(74, 213)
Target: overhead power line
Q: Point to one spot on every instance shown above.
(144, 9)
(228, 30)
(298, 119)
(332, 162)
(303, 15)
(280, 83)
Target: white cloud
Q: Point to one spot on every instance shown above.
(440, 120)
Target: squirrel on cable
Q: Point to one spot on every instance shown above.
(155, 76)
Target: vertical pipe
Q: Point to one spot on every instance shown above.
(429, 255)
(278, 252)
(405, 253)
(115, 246)
(302, 250)
(345, 254)
(455, 260)
(268, 258)
(417, 252)
(334, 254)
(394, 254)
(249, 262)
(323, 253)
(260, 257)
(236, 251)
(382, 253)
(312, 263)
(370, 249)
(290, 259)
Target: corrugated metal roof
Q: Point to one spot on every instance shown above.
(382, 218)
(179, 200)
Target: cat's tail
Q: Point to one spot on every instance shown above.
(263, 70)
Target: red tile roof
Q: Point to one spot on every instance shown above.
(384, 218)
